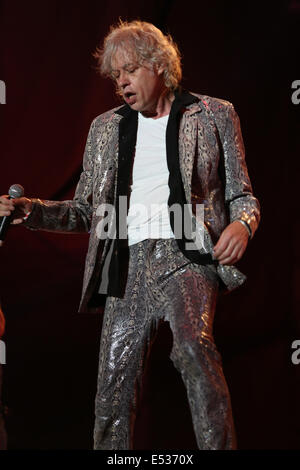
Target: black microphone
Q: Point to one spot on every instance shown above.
(16, 190)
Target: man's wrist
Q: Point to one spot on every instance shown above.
(247, 226)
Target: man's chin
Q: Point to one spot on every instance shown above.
(134, 106)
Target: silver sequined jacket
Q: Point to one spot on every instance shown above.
(207, 128)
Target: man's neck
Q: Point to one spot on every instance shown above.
(162, 107)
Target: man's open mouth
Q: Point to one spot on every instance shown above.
(130, 97)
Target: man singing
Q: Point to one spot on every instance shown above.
(161, 152)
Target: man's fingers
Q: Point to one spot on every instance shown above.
(21, 206)
(224, 250)
(231, 244)
(221, 246)
(6, 206)
(17, 221)
(232, 250)
(5, 213)
(234, 257)
(230, 259)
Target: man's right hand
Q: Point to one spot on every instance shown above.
(17, 208)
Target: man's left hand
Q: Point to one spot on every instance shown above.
(231, 244)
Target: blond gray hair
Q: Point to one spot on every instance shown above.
(147, 44)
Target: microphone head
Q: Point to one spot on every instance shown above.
(16, 190)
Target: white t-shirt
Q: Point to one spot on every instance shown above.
(148, 215)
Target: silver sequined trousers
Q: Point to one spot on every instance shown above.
(162, 284)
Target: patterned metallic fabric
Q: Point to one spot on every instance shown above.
(162, 285)
(207, 128)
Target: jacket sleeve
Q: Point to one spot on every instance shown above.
(68, 216)
(238, 190)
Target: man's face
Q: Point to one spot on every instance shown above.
(139, 85)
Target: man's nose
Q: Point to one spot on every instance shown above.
(123, 79)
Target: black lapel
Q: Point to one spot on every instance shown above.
(120, 253)
(182, 99)
(177, 194)
(127, 141)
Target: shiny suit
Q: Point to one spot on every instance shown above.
(177, 290)
(201, 127)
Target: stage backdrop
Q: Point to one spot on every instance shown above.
(232, 51)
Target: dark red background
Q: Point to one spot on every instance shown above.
(233, 50)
